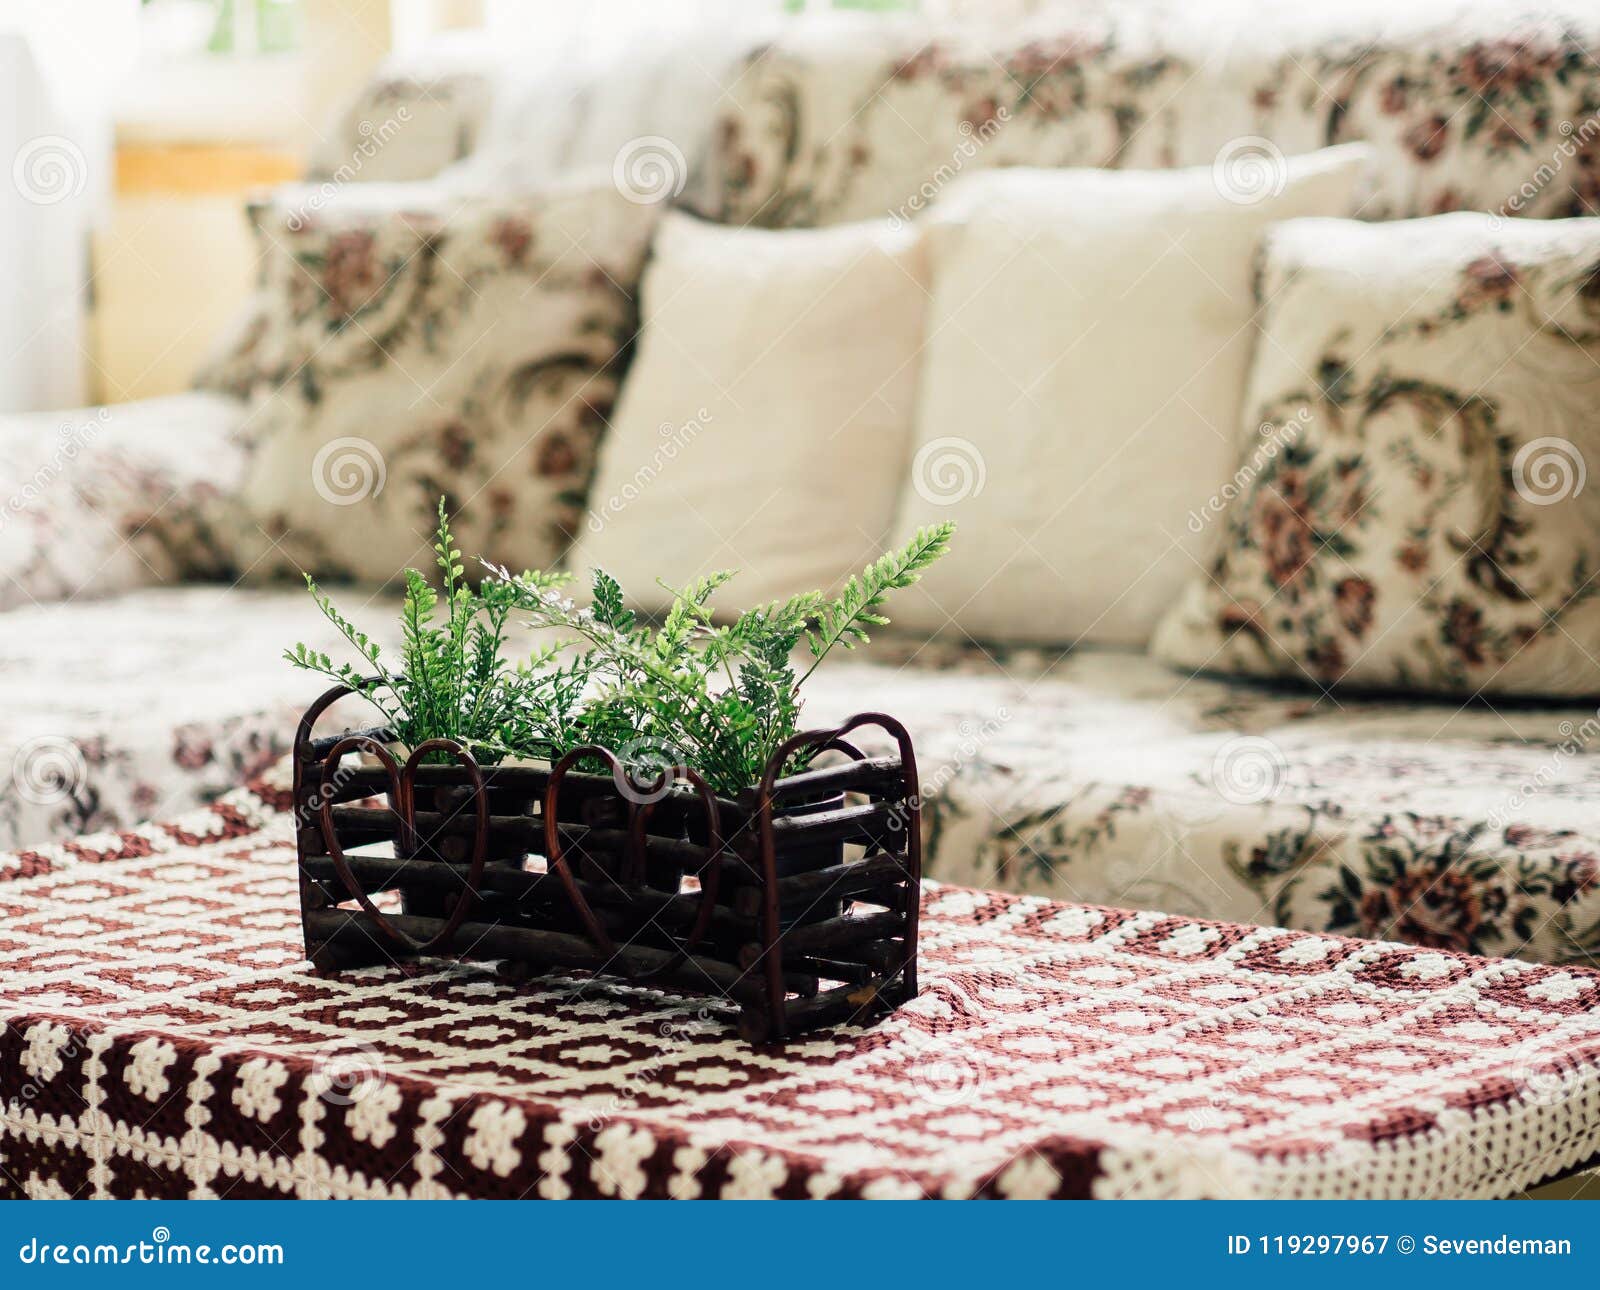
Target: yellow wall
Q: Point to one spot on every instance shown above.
(174, 262)
(175, 258)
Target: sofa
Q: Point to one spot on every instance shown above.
(140, 681)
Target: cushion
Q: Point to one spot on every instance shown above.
(420, 112)
(420, 345)
(1087, 347)
(100, 500)
(1102, 776)
(1471, 106)
(116, 710)
(1105, 777)
(163, 1036)
(766, 419)
(1411, 508)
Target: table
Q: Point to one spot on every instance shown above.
(163, 1037)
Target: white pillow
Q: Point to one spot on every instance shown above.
(1088, 342)
(766, 420)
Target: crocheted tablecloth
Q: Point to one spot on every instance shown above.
(163, 1037)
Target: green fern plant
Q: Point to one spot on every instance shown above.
(725, 697)
(716, 695)
(453, 680)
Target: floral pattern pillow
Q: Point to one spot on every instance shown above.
(1410, 508)
(415, 345)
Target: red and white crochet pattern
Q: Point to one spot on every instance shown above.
(163, 1037)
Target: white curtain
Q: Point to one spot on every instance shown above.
(583, 84)
(58, 62)
(598, 32)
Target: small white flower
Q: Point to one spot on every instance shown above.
(147, 1072)
(620, 1153)
(492, 1138)
(754, 1175)
(1029, 1178)
(42, 1057)
(687, 1162)
(554, 1161)
(371, 1117)
(257, 1091)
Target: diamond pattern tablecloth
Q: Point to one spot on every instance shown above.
(163, 1037)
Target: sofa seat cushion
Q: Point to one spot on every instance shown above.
(1098, 776)
(129, 708)
(1103, 777)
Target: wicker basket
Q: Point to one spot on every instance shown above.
(797, 901)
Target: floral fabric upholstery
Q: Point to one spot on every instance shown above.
(408, 122)
(119, 710)
(415, 345)
(1104, 776)
(1471, 106)
(1467, 107)
(1411, 509)
(1098, 776)
(97, 500)
(230, 367)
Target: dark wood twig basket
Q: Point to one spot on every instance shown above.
(798, 900)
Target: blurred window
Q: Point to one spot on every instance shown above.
(237, 28)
